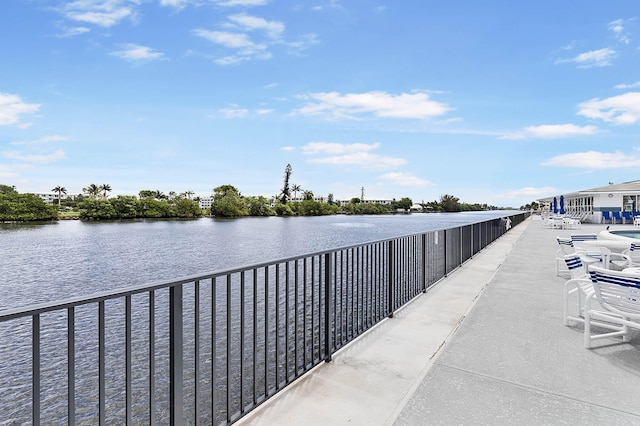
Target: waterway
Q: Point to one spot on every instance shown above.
(44, 262)
(48, 262)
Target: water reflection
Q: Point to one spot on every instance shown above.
(51, 261)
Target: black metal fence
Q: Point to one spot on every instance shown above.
(208, 349)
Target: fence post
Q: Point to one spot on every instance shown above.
(444, 240)
(423, 263)
(176, 367)
(329, 319)
(391, 276)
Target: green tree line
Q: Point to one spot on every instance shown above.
(23, 207)
(227, 201)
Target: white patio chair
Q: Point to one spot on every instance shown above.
(579, 238)
(634, 254)
(590, 256)
(636, 221)
(572, 223)
(566, 248)
(579, 285)
(618, 294)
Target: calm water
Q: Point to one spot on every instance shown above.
(53, 261)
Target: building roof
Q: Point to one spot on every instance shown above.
(633, 186)
(630, 187)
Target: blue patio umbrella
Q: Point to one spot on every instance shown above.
(555, 205)
(562, 205)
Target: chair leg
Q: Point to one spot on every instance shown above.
(587, 329)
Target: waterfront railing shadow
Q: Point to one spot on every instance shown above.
(208, 349)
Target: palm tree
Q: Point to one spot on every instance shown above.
(307, 195)
(295, 188)
(105, 187)
(92, 190)
(59, 190)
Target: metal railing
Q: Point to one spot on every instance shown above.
(208, 349)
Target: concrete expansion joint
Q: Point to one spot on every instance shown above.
(446, 339)
(538, 390)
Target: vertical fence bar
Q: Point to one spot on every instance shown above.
(305, 298)
(228, 345)
(243, 325)
(255, 337)
(127, 360)
(214, 346)
(286, 322)
(71, 365)
(196, 352)
(313, 310)
(266, 331)
(35, 369)
(102, 388)
(390, 277)
(176, 351)
(152, 358)
(328, 307)
(277, 325)
(296, 301)
(444, 250)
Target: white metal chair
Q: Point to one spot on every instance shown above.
(566, 248)
(579, 285)
(618, 294)
(578, 238)
(572, 223)
(633, 252)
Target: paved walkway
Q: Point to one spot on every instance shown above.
(484, 346)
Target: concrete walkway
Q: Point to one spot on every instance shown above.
(486, 345)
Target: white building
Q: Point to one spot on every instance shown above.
(589, 204)
(52, 197)
(205, 202)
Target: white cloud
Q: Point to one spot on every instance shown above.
(405, 179)
(621, 109)
(137, 54)
(242, 2)
(252, 37)
(528, 192)
(43, 140)
(593, 58)
(333, 148)
(34, 158)
(617, 27)
(104, 13)
(253, 23)
(178, 4)
(72, 31)
(376, 103)
(12, 106)
(552, 131)
(245, 48)
(288, 148)
(7, 171)
(628, 86)
(595, 160)
(234, 112)
(357, 154)
(304, 43)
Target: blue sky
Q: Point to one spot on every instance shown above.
(497, 102)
